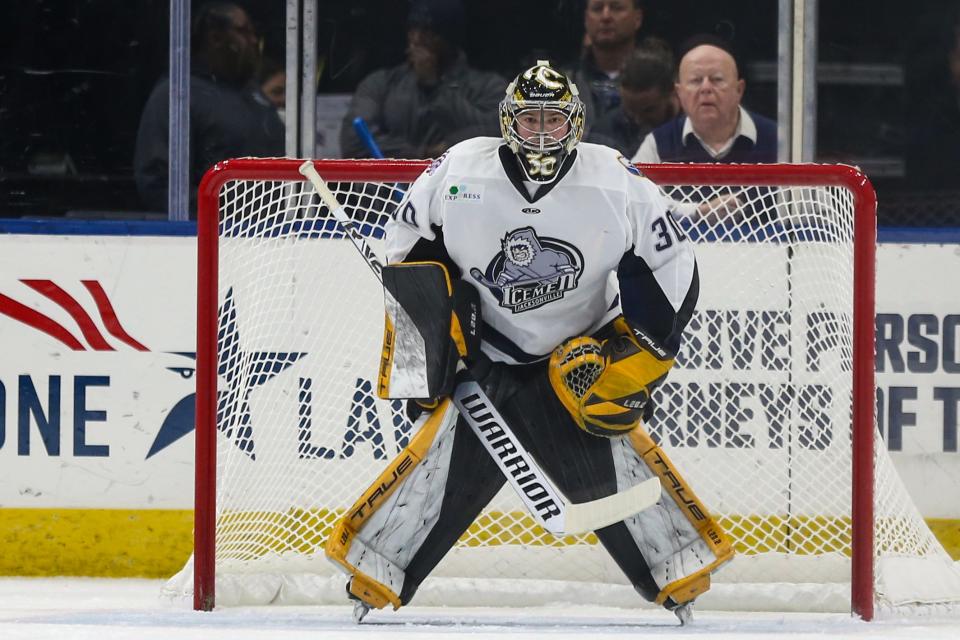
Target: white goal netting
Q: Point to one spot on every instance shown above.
(757, 414)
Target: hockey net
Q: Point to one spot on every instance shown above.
(768, 413)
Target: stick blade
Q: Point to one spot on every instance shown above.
(596, 514)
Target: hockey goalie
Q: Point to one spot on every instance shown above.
(502, 259)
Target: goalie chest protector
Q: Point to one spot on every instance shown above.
(541, 263)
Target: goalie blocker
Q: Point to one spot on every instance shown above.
(423, 335)
(391, 539)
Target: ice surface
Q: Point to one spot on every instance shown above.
(102, 609)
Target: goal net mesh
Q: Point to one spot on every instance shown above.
(756, 414)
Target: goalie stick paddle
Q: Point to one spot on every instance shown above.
(540, 496)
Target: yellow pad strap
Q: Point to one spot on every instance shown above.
(373, 593)
(386, 357)
(680, 491)
(691, 586)
(686, 589)
(456, 332)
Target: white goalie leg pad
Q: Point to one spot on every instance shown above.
(376, 540)
(375, 565)
(661, 532)
(680, 542)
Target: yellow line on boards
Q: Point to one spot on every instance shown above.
(94, 542)
(948, 533)
(156, 543)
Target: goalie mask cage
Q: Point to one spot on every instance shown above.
(769, 412)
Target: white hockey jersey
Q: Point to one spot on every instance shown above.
(543, 263)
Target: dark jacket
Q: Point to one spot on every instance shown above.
(405, 118)
(759, 204)
(618, 131)
(600, 94)
(225, 122)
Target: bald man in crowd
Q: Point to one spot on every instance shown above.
(713, 126)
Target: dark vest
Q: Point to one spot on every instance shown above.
(671, 147)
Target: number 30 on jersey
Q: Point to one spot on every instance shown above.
(661, 226)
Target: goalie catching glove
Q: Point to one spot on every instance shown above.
(606, 385)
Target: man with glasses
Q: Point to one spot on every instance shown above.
(714, 127)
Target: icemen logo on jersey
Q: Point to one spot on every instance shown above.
(531, 271)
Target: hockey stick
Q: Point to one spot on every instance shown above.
(366, 137)
(519, 282)
(541, 497)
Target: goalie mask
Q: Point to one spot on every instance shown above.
(541, 118)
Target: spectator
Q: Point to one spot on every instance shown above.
(714, 127)
(229, 115)
(611, 28)
(422, 107)
(273, 84)
(647, 97)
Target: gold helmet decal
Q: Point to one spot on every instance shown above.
(546, 76)
(542, 92)
(550, 80)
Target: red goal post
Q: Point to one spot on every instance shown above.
(251, 191)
